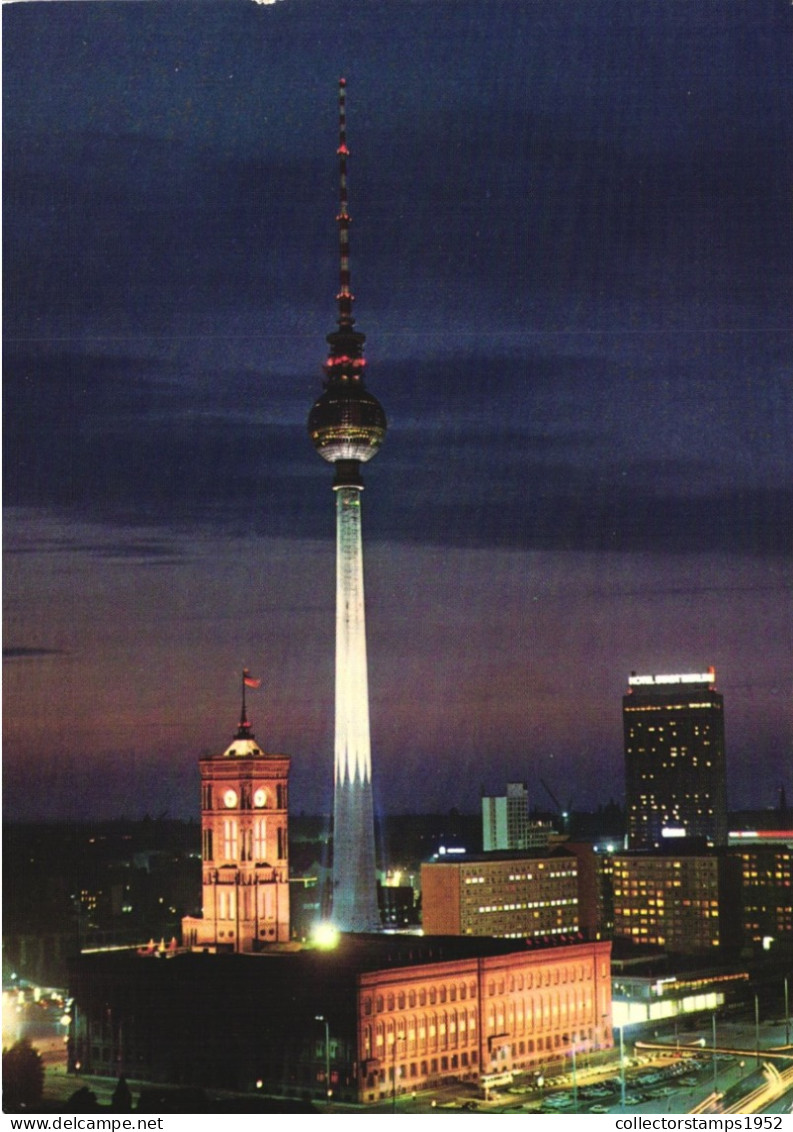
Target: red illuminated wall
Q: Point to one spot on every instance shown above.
(468, 1017)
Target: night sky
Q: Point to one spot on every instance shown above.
(571, 254)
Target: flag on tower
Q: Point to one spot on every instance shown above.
(248, 680)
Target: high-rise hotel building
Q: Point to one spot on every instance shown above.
(675, 780)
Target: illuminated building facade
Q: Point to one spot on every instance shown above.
(766, 858)
(402, 1013)
(639, 1000)
(467, 1018)
(244, 848)
(675, 776)
(685, 902)
(347, 425)
(501, 894)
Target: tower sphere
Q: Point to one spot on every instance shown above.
(347, 422)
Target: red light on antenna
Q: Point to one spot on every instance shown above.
(342, 82)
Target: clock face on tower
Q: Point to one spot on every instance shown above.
(260, 798)
(230, 798)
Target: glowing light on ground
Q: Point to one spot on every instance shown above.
(325, 936)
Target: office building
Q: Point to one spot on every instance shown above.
(686, 902)
(369, 1020)
(675, 779)
(501, 894)
(766, 858)
(506, 823)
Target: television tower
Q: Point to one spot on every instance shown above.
(347, 426)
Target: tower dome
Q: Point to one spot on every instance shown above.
(347, 422)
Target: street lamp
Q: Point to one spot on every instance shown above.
(715, 1065)
(787, 1015)
(322, 1018)
(757, 1029)
(622, 1070)
(397, 1038)
(571, 1039)
(575, 1083)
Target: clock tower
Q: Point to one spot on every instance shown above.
(244, 846)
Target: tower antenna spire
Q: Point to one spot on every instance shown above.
(345, 359)
(345, 297)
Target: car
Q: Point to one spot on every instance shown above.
(559, 1100)
(470, 1106)
(598, 1108)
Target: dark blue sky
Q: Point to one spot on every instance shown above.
(572, 261)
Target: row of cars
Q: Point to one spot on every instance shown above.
(650, 1084)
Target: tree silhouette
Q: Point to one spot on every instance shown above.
(23, 1077)
(122, 1097)
(82, 1100)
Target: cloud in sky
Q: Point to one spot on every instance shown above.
(535, 450)
(572, 260)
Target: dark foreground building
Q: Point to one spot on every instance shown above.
(384, 1015)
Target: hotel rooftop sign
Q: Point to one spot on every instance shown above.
(708, 677)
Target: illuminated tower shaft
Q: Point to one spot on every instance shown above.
(354, 878)
(347, 425)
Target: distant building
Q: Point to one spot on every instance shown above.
(397, 904)
(642, 999)
(675, 779)
(766, 858)
(591, 918)
(686, 902)
(507, 824)
(501, 894)
(384, 1015)
(604, 870)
